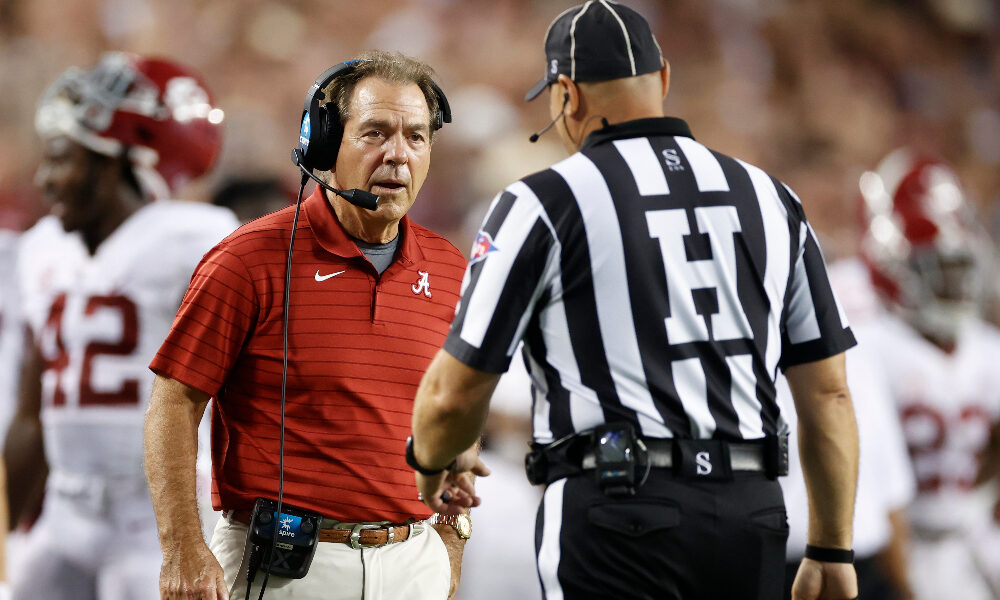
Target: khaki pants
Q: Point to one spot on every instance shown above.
(417, 569)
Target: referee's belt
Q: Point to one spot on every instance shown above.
(357, 535)
(694, 459)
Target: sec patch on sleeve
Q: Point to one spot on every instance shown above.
(482, 247)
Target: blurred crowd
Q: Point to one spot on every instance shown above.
(814, 92)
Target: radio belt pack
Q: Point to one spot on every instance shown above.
(297, 538)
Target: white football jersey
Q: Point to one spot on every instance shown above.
(947, 404)
(10, 329)
(853, 284)
(99, 319)
(885, 480)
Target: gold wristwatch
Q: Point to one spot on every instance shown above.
(462, 523)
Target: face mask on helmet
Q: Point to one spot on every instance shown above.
(927, 254)
(160, 114)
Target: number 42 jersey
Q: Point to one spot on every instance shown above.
(98, 319)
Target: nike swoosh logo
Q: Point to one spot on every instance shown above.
(325, 277)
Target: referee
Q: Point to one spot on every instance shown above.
(657, 286)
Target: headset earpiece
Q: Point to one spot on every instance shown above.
(326, 138)
(314, 141)
(444, 109)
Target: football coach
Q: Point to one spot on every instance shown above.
(657, 286)
(327, 350)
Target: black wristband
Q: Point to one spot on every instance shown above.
(411, 460)
(832, 555)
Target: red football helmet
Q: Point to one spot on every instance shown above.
(927, 254)
(160, 113)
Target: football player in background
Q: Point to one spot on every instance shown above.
(100, 280)
(929, 261)
(4, 526)
(10, 344)
(10, 329)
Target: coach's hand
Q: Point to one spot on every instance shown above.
(452, 491)
(825, 581)
(192, 573)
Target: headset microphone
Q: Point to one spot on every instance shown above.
(355, 196)
(534, 137)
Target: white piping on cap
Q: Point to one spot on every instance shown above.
(572, 38)
(628, 40)
(559, 16)
(658, 49)
(549, 30)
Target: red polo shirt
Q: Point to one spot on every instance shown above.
(358, 346)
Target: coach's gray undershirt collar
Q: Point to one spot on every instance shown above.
(638, 128)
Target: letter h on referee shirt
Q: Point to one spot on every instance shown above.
(684, 324)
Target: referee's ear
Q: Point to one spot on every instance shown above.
(665, 77)
(574, 102)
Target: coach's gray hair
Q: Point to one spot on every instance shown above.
(392, 66)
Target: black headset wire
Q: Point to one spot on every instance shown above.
(284, 380)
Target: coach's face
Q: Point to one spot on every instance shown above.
(386, 150)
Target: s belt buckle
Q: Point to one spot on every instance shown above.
(357, 528)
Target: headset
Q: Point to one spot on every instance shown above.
(534, 137)
(322, 130)
(319, 142)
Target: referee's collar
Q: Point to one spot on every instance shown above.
(334, 239)
(638, 128)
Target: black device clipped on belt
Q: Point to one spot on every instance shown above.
(621, 459)
(775, 456)
(550, 462)
(297, 538)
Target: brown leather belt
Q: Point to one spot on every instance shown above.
(356, 535)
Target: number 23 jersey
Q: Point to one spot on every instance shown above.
(947, 404)
(98, 319)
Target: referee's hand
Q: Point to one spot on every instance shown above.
(825, 581)
(452, 492)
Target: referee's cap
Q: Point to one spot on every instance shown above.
(597, 41)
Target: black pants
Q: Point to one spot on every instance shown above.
(676, 539)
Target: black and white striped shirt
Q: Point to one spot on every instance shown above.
(652, 281)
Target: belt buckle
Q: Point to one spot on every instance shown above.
(357, 528)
